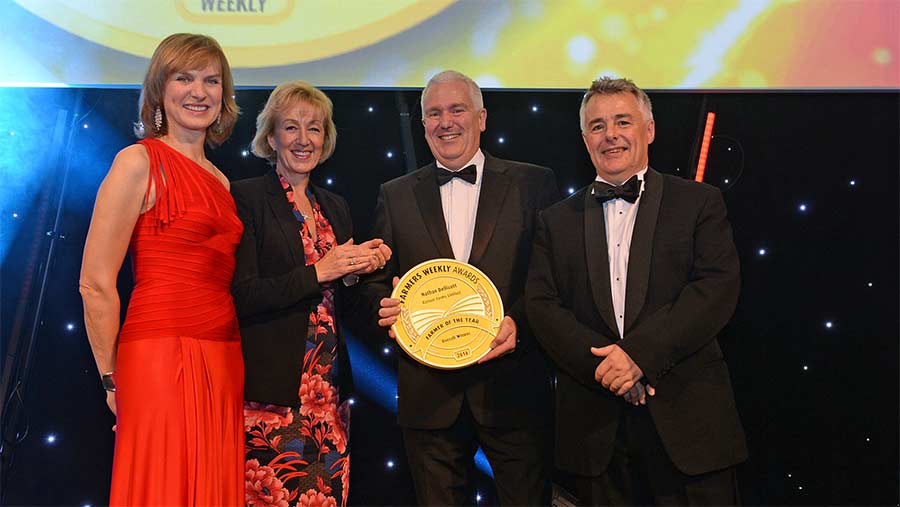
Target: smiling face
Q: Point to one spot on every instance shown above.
(453, 125)
(617, 133)
(297, 138)
(192, 99)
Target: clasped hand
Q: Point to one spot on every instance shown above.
(349, 258)
(621, 375)
(503, 343)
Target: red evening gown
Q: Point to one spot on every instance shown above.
(179, 371)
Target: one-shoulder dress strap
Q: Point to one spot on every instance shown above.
(169, 202)
(177, 183)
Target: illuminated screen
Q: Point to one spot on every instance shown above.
(557, 44)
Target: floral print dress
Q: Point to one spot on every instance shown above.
(300, 456)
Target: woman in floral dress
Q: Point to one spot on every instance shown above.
(295, 262)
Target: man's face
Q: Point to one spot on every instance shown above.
(453, 126)
(616, 133)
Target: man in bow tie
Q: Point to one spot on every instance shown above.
(631, 279)
(475, 208)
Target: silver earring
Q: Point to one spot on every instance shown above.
(217, 125)
(157, 119)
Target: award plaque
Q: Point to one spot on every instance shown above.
(450, 313)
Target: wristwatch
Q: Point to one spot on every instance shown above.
(109, 381)
(350, 280)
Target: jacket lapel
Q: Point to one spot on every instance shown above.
(598, 258)
(329, 207)
(428, 197)
(284, 217)
(641, 248)
(494, 187)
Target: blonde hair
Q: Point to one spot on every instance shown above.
(177, 53)
(284, 96)
(610, 86)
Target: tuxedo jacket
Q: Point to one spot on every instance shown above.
(509, 391)
(682, 288)
(275, 291)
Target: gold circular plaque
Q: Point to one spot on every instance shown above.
(450, 313)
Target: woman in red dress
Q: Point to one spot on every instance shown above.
(173, 372)
(295, 263)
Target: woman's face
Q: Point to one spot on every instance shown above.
(297, 138)
(193, 98)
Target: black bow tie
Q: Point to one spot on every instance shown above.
(467, 173)
(630, 190)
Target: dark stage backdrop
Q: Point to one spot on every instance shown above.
(811, 183)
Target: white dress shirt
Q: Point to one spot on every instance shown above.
(619, 216)
(459, 198)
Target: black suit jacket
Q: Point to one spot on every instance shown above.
(508, 391)
(274, 291)
(682, 288)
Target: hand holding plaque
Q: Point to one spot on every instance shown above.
(450, 313)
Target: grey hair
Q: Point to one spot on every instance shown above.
(610, 86)
(449, 76)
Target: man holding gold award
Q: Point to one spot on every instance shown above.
(472, 375)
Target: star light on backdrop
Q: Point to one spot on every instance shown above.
(373, 364)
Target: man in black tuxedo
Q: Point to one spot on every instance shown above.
(478, 209)
(645, 410)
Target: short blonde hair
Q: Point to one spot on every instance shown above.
(177, 53)
(610, 86)
(284, 96)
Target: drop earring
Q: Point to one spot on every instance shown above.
(157, 120)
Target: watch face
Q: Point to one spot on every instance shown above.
(350, 280)
(108, 382)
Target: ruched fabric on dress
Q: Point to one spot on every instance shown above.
(179, 370)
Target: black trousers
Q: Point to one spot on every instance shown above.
(641, 473)
(442, 462)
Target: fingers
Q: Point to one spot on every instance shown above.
(390, 309)
(602, 351)
(636, 395)
(395, 281)
(620, 387)
(499, 347)
(372, 243)
(504, 342)
(651, 390)
(602, 370)
(385, 251)
(378, 250)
